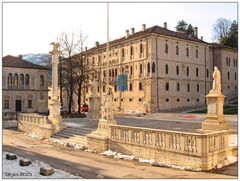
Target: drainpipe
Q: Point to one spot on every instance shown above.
(157, 72)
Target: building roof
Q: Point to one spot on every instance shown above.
(16, 62)
(217, 45)
(156, 30)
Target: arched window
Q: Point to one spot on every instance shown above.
(122, 52)
(41, 80)
(177, 50)
(148, 67)
(21, 79)
(140, 86)
(196, 72)
(131, 51)
(131, 70)
(167, 86)
(153, 67)
(166, 69)
(166, 48)
(116, 73)
(177, 70)
(141, 49)
(9, 79)
(130, 86)
(187, 52)
(15, 79)
(115, 87)
(197, 87)
(178, 87)
(188, 87)
(228, 75)
(226, 61)
(141, 67)
(27, 80)
(187, 71)
(6, 102)
(110, 73)
(196, 53)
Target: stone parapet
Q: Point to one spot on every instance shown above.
(198, 151)
(35, 124)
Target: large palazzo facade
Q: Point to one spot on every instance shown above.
(24, 87)
(166, 70)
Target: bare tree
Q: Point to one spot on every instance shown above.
(69, 46)
(221, 29)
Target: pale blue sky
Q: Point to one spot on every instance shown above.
(31, 27)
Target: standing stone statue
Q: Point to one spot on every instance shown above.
(216, 87)
(94, 102)
(94, 87)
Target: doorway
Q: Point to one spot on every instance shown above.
(18, 105)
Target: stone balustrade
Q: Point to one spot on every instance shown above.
(35, 124)
(33, 118)
(200, 151)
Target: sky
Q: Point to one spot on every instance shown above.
(31, 27)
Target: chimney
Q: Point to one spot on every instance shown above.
(165, 25)
(143, 27)
(202, 38)
(195, 31)
(20, 57)
(127, 33)
(96, 44)
(132, 30)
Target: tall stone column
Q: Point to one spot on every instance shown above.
(54, 105)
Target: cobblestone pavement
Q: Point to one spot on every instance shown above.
(90, 165)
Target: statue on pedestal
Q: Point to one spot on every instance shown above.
(215, 101)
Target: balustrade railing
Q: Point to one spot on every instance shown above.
(33, 118)
(185, 142)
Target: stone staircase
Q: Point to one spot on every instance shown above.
(232, 97)
(76, 135)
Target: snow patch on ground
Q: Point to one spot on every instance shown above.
(73, 145)
(12, 169)
(34, 136)
(229, 160)
(233, 140)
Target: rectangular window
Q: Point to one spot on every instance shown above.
(104, 88)
(29, 103)
(6, 104)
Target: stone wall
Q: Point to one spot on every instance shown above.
(194, 150)
(35, 124)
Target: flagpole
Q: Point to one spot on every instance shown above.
(107, 83)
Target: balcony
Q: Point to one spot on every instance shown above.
(18, 87)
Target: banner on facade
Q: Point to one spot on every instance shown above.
(122, 83)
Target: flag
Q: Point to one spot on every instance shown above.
(122, 83)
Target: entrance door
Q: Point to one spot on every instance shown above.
(18, 105)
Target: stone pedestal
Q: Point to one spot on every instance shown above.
(215, 118)
(94, 107)
(98, 139)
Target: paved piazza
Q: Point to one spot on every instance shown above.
(165, 121)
